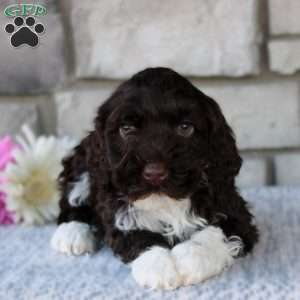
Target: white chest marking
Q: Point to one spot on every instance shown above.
(162, 214)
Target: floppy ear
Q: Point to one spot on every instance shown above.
(94, 143)
(225, 162)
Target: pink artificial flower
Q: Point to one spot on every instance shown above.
(6, 217)
(6, 148)
(6, 156)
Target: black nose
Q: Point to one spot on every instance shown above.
(155, 173)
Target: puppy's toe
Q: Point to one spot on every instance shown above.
(73, 238)
(156, 269)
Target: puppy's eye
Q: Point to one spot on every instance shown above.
(126, 130)
(185, 129)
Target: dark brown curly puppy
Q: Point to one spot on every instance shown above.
(155, 181)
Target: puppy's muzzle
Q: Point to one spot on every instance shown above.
(155, 173)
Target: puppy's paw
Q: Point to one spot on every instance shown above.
(73, 238)
(205, 255)
(156, 269)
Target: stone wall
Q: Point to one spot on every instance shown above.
(245, 54)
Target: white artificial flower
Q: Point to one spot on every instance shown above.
(31, 182)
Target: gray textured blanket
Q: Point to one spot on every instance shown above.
(30, 269)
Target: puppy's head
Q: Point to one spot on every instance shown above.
(161, 134)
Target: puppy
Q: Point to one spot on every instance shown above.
(155, 181)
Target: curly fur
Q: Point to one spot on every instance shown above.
(202, 167)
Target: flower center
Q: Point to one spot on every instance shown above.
(39, 188)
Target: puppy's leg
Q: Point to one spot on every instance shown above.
(131, 244)
(149, 256)
(206, 254)
(78, 232)
(229, 211)
(237, 220)
(74, 234)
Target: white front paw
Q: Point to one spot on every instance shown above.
(156, 269)
(206, 254)
(74, 238)
(192, 262)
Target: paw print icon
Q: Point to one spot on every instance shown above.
(24, 31)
